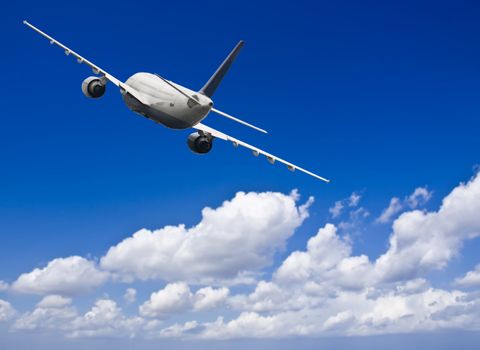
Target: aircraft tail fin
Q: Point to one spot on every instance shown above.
(212, 84)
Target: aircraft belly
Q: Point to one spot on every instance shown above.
(163, 113)
(166, 107)
(168, 120)
(177, 118)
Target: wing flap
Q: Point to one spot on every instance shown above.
(223, 114)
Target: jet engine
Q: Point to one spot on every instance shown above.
(93, 87)
(199, 143)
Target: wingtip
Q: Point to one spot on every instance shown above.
(323, 179)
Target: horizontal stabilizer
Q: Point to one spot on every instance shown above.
(223, 114)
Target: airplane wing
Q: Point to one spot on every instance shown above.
(256, 151)
(96, 69)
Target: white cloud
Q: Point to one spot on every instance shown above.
(419, 197)
(64, 276)
(177, 298)
(130, 295)
(393, 209)
(179, 330)
(3, 286)
(340, 320)
(266, 297)
(327, 260)
(322, 290)
(471, 278)
(54, 301)
(325, 290)
(105, 319)
(209, 298)
(423, 241)
(336, 210)
(402, 309)
(174, 298)
(239, 237)
(248, 324)
(324, 251)
(394, 312)
(354, 224)
(52, 313)
(6, 311)
(352, 313)
(354, 199)
(353, 215)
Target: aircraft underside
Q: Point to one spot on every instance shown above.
(155, 114)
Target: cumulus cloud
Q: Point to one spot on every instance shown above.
(323, 289)
(355, 223)
(177, 298)
(324, 251)
(6, 310)
(340, 320)
(389, 212)
(3, 286)
(268, 297)
(53, 313)
(248, 324)
(209, 298)
(351, 313)
(336, 210)
(237, 238)
(352, 201)
(56, 314)
(327, 290)
(130, 295)
(54, 301)
(328, 261)
(105, 319)
(64, 276)
(353, 215)
(419, 196)
(180, 330)
(174, 298)
(423, 241)
(471, 278)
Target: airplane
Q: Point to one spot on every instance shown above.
(171, 104)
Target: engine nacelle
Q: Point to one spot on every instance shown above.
(93, 87)
(199, 143)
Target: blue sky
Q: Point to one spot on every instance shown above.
(380, 97)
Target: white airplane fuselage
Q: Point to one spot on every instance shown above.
(164, 104)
